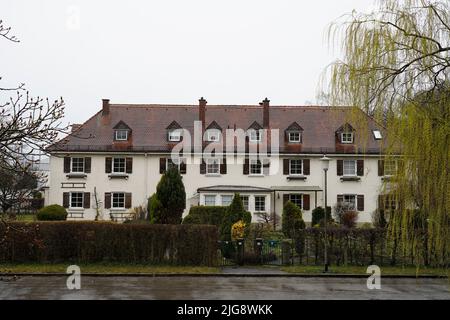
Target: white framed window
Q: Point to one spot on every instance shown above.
(254, 135)
(118, 200)
(377, 135)
(213, 135)
(176, 163)
(77, 165)
(390, 168)
(295, 167)
(121, 135)
(296, 199)
(175, 135)
(119, 165)
(294, 136)
(349, 167)
(347, 137)
(212, 166)
(350, 201)
(256, 167)
(210, 200)
(76, 200)
(260, 203)
(226, 199)
(245, 202)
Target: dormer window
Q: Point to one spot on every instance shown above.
(347, 137)
(377, 135)
(294, 137)
(213, 135)
(121, 135)
(255, 135)
(122, 131)
(175, 135)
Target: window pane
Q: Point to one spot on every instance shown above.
(77, 164)
(295, 166)
(260, 203)
(175, 135)
(121, 135)
(210, 200)
(245, 202)
(350, 201)
(390, 167)
(118, 200)
(347, 137)
(255, 167)
(213, 135)
(76, 200)
(294, 136)
(226, 200)
(349, 167)
(255, 135)
(212, 166)
(119, 165)
(296, 199)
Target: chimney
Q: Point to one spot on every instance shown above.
(266, 113)
(202, 111)
(105, 110)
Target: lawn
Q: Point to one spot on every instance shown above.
(105, 268)
(361, 270)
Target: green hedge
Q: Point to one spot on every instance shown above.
(205, 215)
(52, 212)
(87, 242)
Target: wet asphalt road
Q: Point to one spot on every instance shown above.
(233, 288)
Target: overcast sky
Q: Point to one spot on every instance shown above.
(167, 51)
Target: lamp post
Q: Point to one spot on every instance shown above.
(325, 165)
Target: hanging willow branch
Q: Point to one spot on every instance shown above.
(396, 68)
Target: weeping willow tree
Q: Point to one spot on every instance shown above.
(396, 68)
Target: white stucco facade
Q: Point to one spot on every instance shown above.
(145, 175)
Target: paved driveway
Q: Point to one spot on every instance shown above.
(249, 288)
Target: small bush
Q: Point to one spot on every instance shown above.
(205, 215)
(349, 218)
(235, 212)
(154, 209)
(292, 219)
(318, 215)
(52, 212)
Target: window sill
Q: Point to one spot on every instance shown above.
(291, 177)
(118, 176)
(76, 176)
(213, 175)
(118, 210)
(344, 179)
(256, 175)
(75, 210)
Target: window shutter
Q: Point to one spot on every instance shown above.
(266, 167)
(162, 165)
(87, 165)
(286, 167)
(108, 165)
(108, 200)
(66, 164)
(223, 166)
(360, 167)
(340, 167)
(203, 167)
(306, 202)
(127, 200)
(306, 167)
(66, 199)
(246, 168)
(340, 198)
(285, 198)
(129, 165)
(87, 200)
(380, 168)
(183, 167)
(360, 203)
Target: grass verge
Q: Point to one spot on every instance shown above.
(385, 270)
(104, 268)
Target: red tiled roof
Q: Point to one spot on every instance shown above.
(149, 126)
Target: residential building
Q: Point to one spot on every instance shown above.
(114, 160)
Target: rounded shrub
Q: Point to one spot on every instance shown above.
(52, 212)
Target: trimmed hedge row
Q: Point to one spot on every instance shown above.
(87, 242)
(211, 215)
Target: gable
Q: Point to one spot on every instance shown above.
(121, 126)
(345, 128)
(214, 125)
(256, 126)
(294, 127)
(173, 126)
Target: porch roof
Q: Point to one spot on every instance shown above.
(226, 188)
(297, 188)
